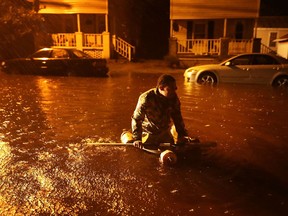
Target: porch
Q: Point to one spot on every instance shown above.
(96, 45)
(202, 51)
(222, 47)
(101, 45)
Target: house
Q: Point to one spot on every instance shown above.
(270, 28)
(84, 25)
(75, 23)
(182, 28)
(130, 25)
(213, 27)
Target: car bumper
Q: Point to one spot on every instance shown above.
(190, 77)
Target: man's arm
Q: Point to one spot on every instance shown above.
(178, 121)
(137, 119)
(136, 128)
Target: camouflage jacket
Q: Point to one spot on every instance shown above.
(153, 114)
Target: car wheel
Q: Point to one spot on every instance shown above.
(207, 79)
(281, 81)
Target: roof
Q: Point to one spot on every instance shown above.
(282, 39)
(73, 6)
(214, 9)
(272, 22)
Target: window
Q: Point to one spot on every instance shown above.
(241, 60)
(239, 31)
(58, 53)
(199, 31)
(189, 29)
(272, 37)
(264, 60)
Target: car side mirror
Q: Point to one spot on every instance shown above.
(228, 63)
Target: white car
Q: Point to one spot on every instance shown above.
(244, 68)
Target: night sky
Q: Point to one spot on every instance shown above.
(273, 8)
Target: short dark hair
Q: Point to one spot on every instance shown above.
(165, 80)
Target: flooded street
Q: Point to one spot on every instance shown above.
(50, 164)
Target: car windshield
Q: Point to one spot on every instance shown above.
(80, 54)
(45, 53)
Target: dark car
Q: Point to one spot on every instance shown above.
(57, 62)
(243, 68)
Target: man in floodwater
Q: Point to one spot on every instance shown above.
(151, 120)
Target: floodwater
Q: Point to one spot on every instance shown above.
(50, 164)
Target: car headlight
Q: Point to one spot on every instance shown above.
(191, 70)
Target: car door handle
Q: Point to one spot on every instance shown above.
(246, 69)
(43, 65)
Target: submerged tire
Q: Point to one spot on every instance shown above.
(207, 79)
(281, 81)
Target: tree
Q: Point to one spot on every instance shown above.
(17, 21)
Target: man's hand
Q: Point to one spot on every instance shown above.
(192, 140)
(138, 144)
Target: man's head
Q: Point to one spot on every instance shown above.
(166, 85)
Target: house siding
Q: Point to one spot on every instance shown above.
(264, 34)
(271, 24)
(282, 49)
(213, 9)
(248, 25)
(76, 6)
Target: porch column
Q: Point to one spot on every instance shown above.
(172, 46)
(78, 23)
(106, 45)
(106, 23)
(256, 45)
(79, 40)
(171, 28)
(225, 28)
(224, 47)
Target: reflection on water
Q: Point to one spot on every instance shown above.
(51, 165)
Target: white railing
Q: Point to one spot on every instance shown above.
(64, 39)
(204, 47)
(93, 44)
(123, 48)
(237, 46)
(199, 46)
(92, 40)
(266, 49)
(69, 40)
